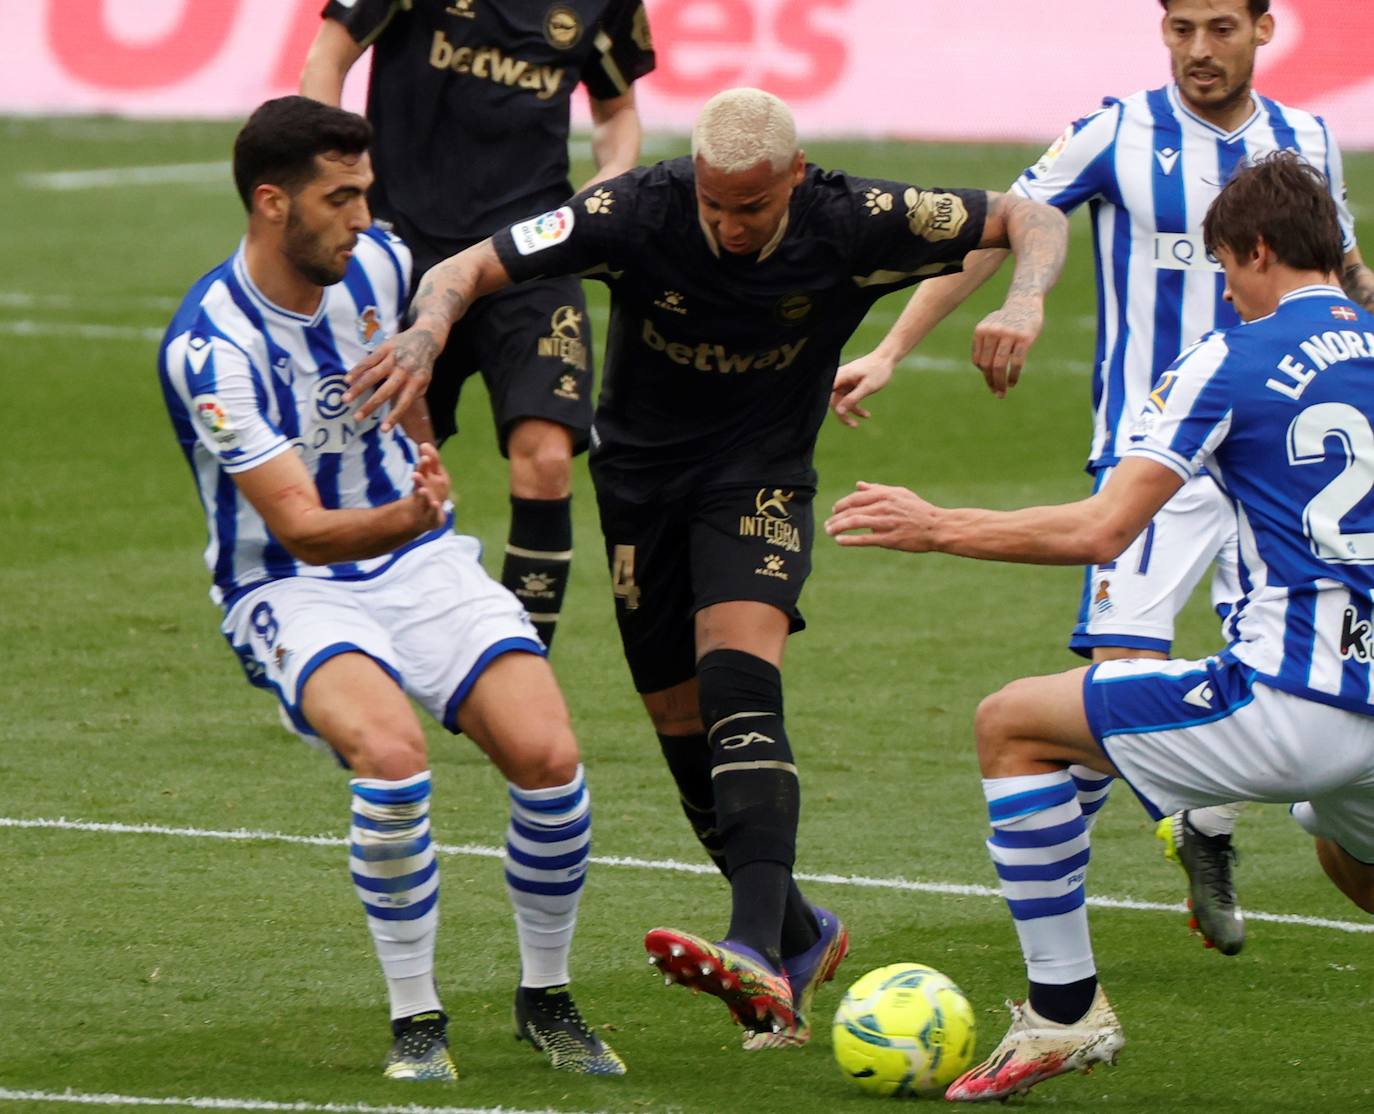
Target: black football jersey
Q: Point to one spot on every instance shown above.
(719, 367)
(470, 100)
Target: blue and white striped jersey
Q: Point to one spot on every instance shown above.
(245, 380)
(1148, 168)
(1281, 413)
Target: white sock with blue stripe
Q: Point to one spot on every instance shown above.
(1092, 791)
(396, 876)
(548, 843)
(1039, 846)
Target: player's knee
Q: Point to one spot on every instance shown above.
(995, 730)
(549, 762)
(540, 460)
(391, 752)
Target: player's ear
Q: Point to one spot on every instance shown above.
(798, 167)
(1264, 29)
(270, 202)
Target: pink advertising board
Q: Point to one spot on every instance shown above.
(937, 69)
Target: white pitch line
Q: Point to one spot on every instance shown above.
(80, 330)
(472, 850)
(182, 173)
(81, 1098)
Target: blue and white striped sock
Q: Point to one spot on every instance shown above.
(1092, 791)
(396, 876)
(1039, 846)
(548, 843)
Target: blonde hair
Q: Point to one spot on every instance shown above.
(740, 128)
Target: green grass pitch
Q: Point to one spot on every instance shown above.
(151, 966)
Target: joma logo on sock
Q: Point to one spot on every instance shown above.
(490, 64)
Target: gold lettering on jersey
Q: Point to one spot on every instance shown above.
(772, 567)
(716, 357)
(462, 9)
(562, 27)
(566, 344)
(490, 64)
(934, 216)
(672, 302)
(771, 520)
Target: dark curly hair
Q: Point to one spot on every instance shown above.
(279, 143)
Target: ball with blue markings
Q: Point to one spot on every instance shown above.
(904, 1030)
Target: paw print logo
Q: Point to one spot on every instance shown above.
(672, 297)
(773, 563)
(535, 582)
(600, 201)
(567, 387)
(877, 201)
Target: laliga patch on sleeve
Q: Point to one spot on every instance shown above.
(934, 216)
(212, 417)
(543, 231)
(1051, 155)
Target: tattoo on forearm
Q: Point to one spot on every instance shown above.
(1358, 281)
(416, 349)
(1043, 245)
(445, 300)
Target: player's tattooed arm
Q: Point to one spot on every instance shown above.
(400, 369)
(1358, 279)
(1038, 236)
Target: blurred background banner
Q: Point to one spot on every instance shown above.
(915, 69)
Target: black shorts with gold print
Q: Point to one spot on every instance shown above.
(671, 558)
(533, 345)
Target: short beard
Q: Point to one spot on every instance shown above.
(302, 251)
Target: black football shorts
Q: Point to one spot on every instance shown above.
(670, 558)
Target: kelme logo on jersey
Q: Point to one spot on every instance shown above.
(565, 343)
(490, 63)
(600, 201)
(562, 27)
(934, 216)
(672, 301)
(716, 357)
(770, 520)
(214, 419)
(542, 231)
(877, 201)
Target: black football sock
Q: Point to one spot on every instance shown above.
(689, 761)
(799, 928)
(1064, 1003)
(538, 555)
(757, 795)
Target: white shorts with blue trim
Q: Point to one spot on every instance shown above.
(1132, 602)
(433, 619)
(1185, 734)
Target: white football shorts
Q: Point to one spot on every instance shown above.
(1132, 601)
(1190, 733)
(433, 619)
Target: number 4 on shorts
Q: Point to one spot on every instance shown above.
(623, 576)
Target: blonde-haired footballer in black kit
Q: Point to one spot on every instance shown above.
(470, 100)
(736, 276)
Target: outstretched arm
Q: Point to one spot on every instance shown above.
(399, 370)
(1087, 532)
(934, 300)
(331, 56)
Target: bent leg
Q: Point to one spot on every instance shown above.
(363, 714)
(1352, 877)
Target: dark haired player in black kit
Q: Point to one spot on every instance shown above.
(470, 102)
(736, 276)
